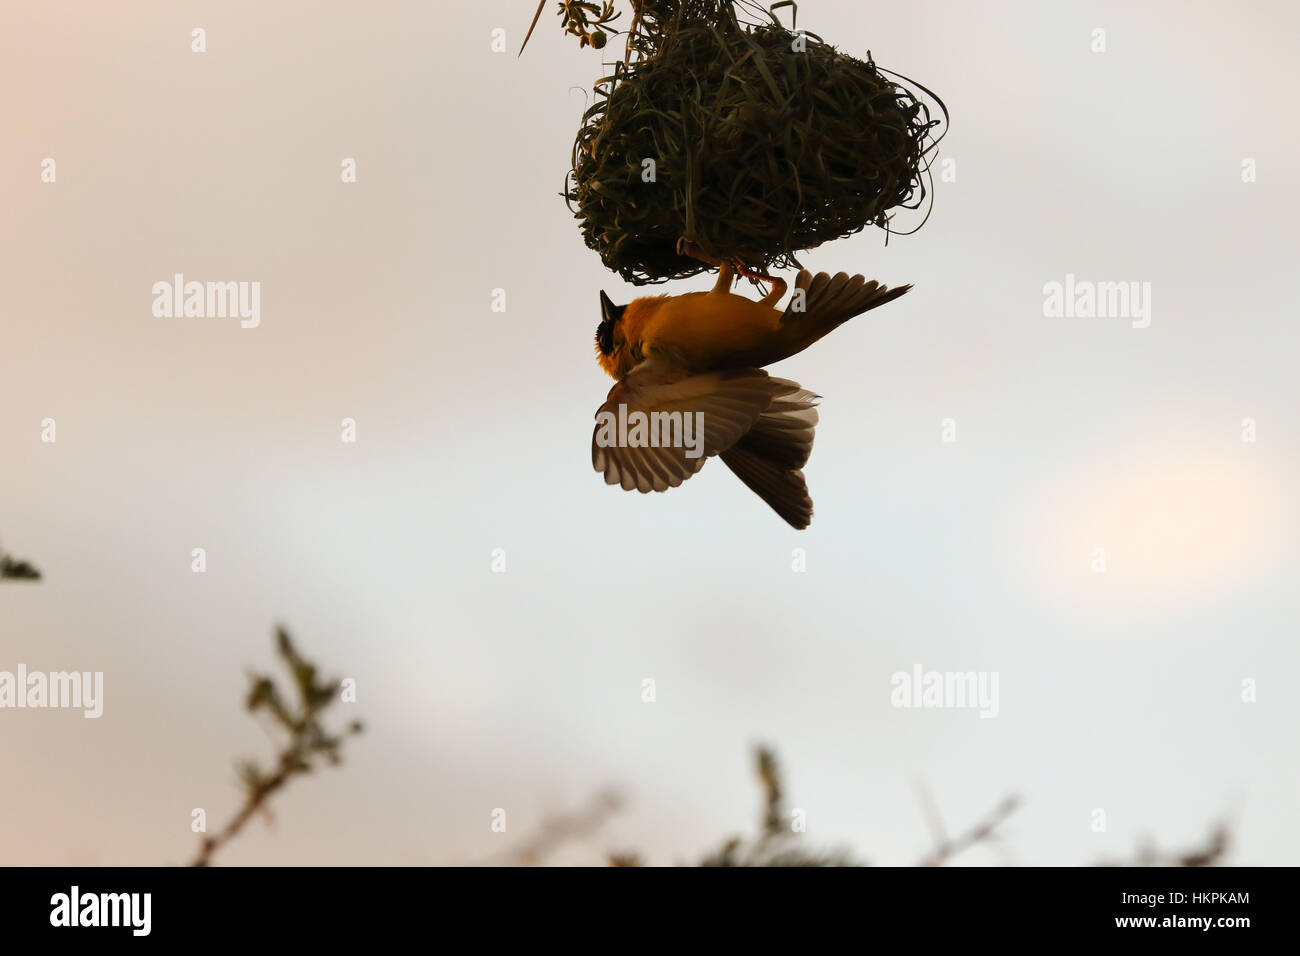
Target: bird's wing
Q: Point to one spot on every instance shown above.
(769, 457)
(685, 419)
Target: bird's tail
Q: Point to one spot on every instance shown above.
(819, 304)
(770, 456)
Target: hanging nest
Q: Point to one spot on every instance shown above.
(764, 142)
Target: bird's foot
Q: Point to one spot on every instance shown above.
(728, 268)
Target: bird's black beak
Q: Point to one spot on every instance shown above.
(609, 312)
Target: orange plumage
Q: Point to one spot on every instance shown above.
(700, 355)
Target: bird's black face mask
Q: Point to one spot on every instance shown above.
(609, 314)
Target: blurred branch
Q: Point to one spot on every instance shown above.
(984, 831)
(306, 743)
(17, 570)
(777, 843)
(563, 828)
(769, 776)
(1211, 853)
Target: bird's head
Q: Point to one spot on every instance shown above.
(619, 335)
(611, 341)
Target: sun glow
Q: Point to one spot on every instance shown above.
(1157, 533)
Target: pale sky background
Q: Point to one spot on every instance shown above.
(1119, 691)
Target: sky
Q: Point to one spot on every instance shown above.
(1099, 510)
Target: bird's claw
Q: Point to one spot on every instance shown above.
(686, 247)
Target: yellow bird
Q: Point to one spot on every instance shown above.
(691, 384)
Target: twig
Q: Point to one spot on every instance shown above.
(563, 828)
(17, 570)
(1210, 853)
(307, 740)
(776, 845)
(982, 831)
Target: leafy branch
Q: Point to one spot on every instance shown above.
(564, 828)
(17, 570)
(777, 842)
(305, 742)
(1210, 853)
(582, 19)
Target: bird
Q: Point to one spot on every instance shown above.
(691, 367)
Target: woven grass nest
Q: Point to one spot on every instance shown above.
(765, 142)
